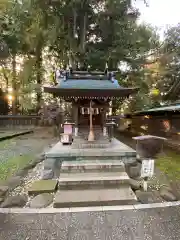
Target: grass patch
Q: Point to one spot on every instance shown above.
(169, 163)
(12, 165)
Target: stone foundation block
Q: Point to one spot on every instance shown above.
(43, 186)
(41, 201)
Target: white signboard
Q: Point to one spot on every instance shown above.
(147, 169)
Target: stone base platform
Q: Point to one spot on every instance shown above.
(91, 176)
(115, 149)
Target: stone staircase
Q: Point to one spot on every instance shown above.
(93, 183)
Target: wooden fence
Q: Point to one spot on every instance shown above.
(19, 120)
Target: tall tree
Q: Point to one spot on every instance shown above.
(170, 60)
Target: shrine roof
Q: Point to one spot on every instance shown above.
(88, 84)
(84, 85)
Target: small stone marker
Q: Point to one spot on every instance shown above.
(43, 186)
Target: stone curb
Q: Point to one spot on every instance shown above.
(89, 209)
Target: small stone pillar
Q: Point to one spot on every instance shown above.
(76, 131)
(104, 122)
(110, 125)
(104, 131)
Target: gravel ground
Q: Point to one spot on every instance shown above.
(38, 142)
(33, 175)
(146, 224)
(33, 144)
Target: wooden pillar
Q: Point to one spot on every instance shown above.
(91, 132)
(75, 118)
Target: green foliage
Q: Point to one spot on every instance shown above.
(85, 32)
(171, 64)
(168, 163)
(26, 75)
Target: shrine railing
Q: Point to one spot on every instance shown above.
(19, 120)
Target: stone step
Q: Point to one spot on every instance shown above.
(124, 159)
(84, 139)
(92, 166)
(92, 180)
(89, 145)
(94, 197)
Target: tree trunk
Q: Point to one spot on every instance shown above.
(83, 33)
(14, 78)
(39, 74)
(74, 22)
(82, 43)
(6, 78)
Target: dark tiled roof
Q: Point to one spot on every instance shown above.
(88, 84)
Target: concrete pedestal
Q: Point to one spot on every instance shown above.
(114, 151)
